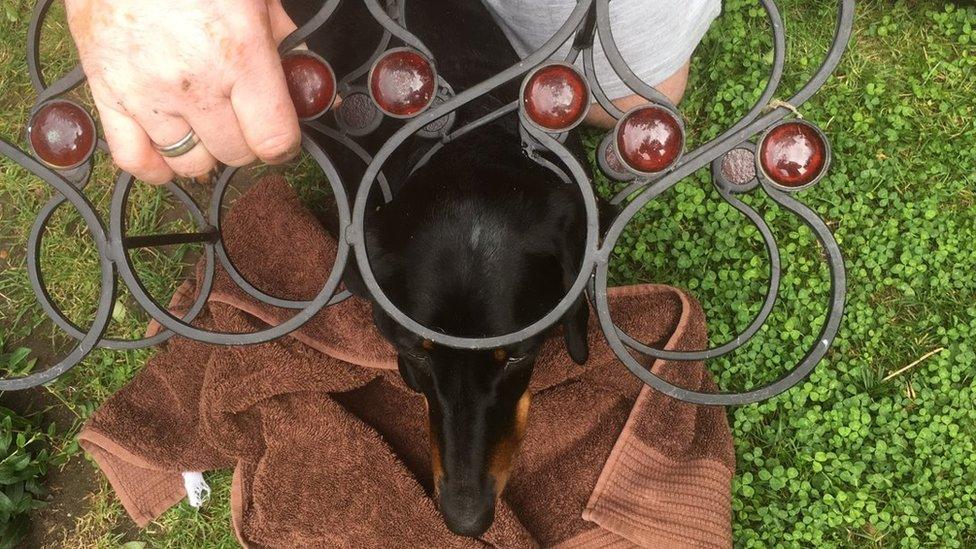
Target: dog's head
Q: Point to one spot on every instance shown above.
(479, 242)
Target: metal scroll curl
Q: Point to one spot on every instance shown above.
(763, 150)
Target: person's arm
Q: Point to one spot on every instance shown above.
(673, 88)
(159, 69)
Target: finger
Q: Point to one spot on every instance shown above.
(264, 108)
(281, 23)
(131, 149)
(220, 132)
(164, 130)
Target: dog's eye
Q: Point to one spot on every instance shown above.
(502, 356)
(419, 351)
(417, 358)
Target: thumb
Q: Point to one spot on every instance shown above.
(281, 23)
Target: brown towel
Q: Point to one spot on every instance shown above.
(329, 448)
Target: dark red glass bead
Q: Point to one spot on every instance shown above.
(649, 139)
(556, 97)
(62, 134)
(311, 83)
(402, 83)
(793, 154)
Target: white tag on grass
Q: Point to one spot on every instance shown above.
(197, 489)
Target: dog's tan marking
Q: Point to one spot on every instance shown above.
(522, 413)
(503, 454)
(436, 466)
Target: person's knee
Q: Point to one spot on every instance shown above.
(673, 87)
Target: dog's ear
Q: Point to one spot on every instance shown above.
(576, 319)
(407, 374)
(354, 280)
(386, 327)
(575, 330)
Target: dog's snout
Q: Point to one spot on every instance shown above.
(467, 512)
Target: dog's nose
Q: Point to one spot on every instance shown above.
(467, 512)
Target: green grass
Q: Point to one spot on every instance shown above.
(852, 456)
(23, 463)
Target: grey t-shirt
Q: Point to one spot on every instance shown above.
(655, 37)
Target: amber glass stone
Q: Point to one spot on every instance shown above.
(311, 83)
(62, 134)
(402, 83)
(793, 154)
(555, 97)
(649, 139)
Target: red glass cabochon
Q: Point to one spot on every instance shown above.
(402, 83)
(555, 97)
(793, 154)
(649, 139)
(311, 83)
(62, 134)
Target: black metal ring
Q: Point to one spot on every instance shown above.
(356, 149)
(772, 290)
(617, 61)
(216, 214)
(299, 35)
(838, 280)
(380, 298)
(61, 320)
(106, 300)
(164, 317)
(396, 29)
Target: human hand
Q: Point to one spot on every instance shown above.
(159, 69)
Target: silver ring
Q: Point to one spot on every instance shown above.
(181, 147)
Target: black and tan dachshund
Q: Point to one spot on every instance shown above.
(480, 241)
